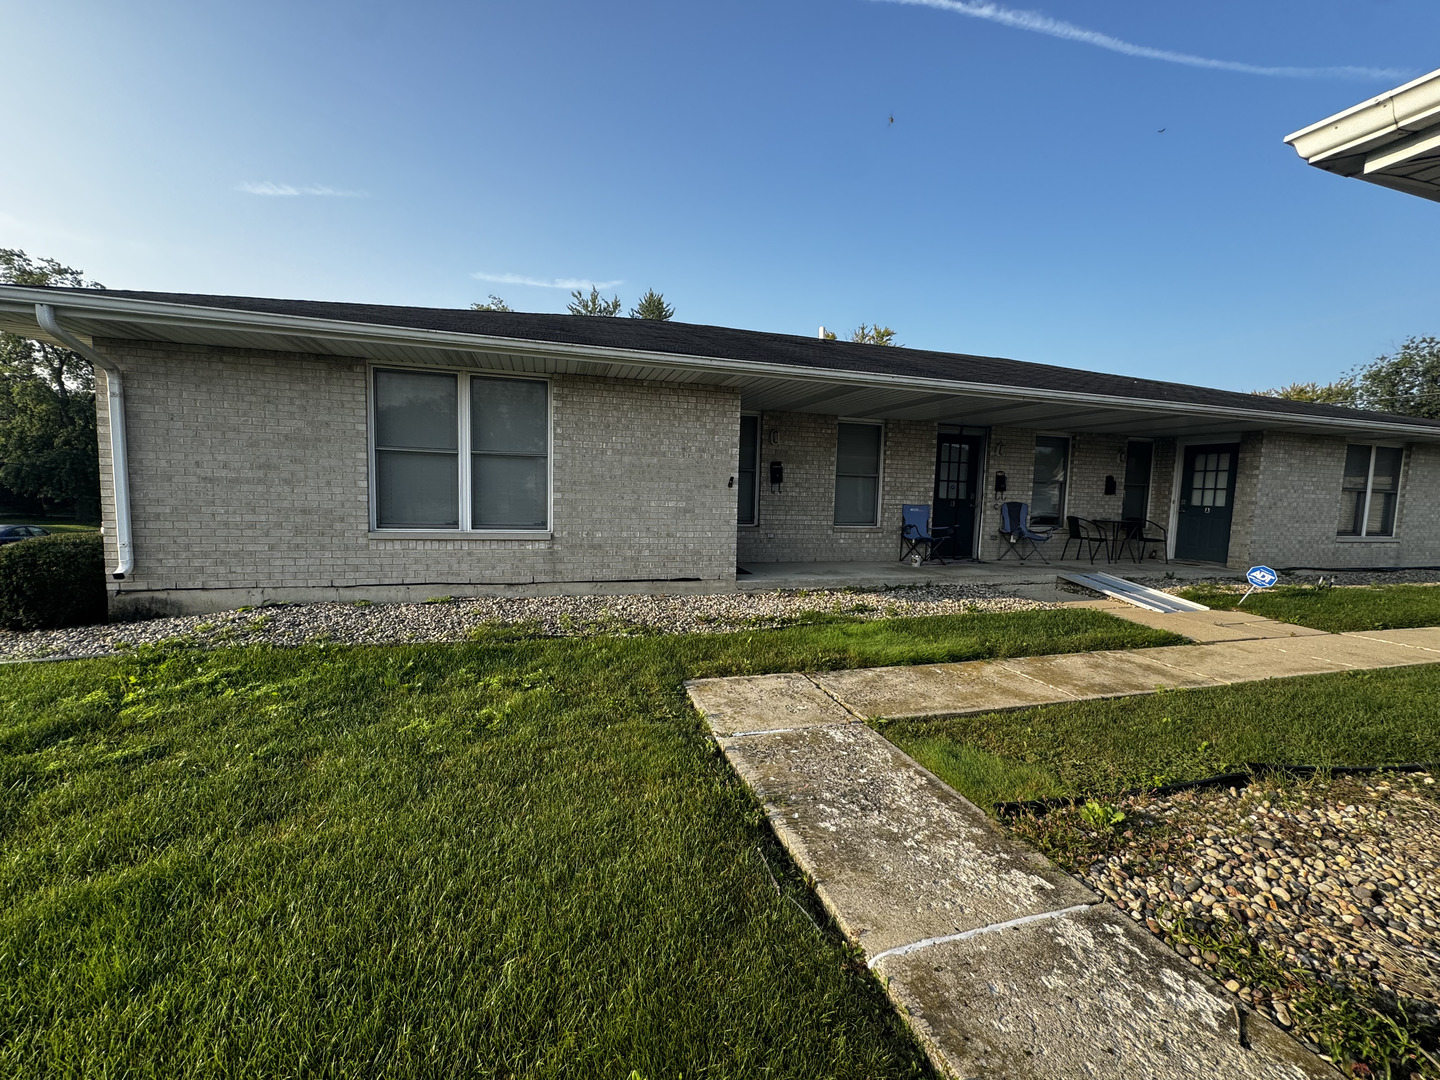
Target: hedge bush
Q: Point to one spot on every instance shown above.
(52, 581)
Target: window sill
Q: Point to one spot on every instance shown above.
(456, 534)
(1367, 539)
(857, 528)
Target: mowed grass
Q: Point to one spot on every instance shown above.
(1337, 610)
(519, 857)
(1100, 748)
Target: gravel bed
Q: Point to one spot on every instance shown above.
(1336, 879)
(557, 616)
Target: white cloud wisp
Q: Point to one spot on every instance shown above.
(1037, 23)
(267, 187)
(551, 283)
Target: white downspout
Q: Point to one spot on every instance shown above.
(119, 462)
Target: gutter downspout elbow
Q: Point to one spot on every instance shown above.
(119, 461)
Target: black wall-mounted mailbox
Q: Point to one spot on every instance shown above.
(999, 483)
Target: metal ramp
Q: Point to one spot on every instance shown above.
(1119, 588)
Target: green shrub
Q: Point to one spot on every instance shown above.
(52, 581)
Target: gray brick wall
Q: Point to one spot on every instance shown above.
(249, 471)
(797, 524)
(1296, 508)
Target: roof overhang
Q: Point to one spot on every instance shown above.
(1392, 140)
(762, 386)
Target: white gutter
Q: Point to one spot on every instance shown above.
(374, 334)
(119, 462)
(1407, 109)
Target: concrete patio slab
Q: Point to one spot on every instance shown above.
(1082, 994)
(896, 855)
(1083, 676)
(933, 689)
(764, 702)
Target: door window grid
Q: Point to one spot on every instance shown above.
(1209, 485)
(1370, 491)
(954, 465)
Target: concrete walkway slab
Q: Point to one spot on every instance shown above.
(1084, 676)
(933, 689)
(1418, 637)
(1238, 661)
(1348, 652)
(896, 855)
(1204, 627)
(1083, 994)
(764, 702)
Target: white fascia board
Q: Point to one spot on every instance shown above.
(15, 299)
(1361, 128)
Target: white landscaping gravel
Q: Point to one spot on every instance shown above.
(556, 616)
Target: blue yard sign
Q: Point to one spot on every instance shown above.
(1262, 577)
(1259, 577)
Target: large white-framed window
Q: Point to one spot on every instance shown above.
(459, 452)
(1370, 490)
(859, 447)
(1051, 477)
(747, 479)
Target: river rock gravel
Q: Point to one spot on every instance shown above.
(446, 619)
(1337, 879)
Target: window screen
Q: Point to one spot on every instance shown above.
(509, 454)
(416, 451)
(857, 474)
(1370, 490)
(745, 483)
(1047, 497)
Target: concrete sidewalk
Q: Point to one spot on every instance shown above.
(1006, 966)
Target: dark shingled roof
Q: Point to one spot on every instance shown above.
(690, 339)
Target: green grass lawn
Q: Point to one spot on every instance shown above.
(1372, 607)
(515, 857)
(1101, 748)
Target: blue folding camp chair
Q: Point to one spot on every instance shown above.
(1015, 527)
(916, 534)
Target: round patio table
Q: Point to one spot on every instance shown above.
(1117, 532)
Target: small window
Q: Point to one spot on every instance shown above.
(420, 421)
(1370, 490)
(857, 474)
(1138, 458)
(1047, 494)
(745, 484)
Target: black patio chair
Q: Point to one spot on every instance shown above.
(1142, 533)
(1015, 527)
(1084, 531)
(917, 532)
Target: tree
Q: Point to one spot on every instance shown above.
(873, 335)
(48, 446)
(594, 304)
(494, 304)
(1406, 381)
(1340, 392)
(652, 306)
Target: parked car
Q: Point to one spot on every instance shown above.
(13, 534)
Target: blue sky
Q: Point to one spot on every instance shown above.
(741, 159)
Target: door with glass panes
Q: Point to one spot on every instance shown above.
(957, 475)
(1207, 501)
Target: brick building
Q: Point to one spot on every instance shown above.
(279, 450)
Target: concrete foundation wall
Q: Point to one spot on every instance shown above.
(249, 476)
